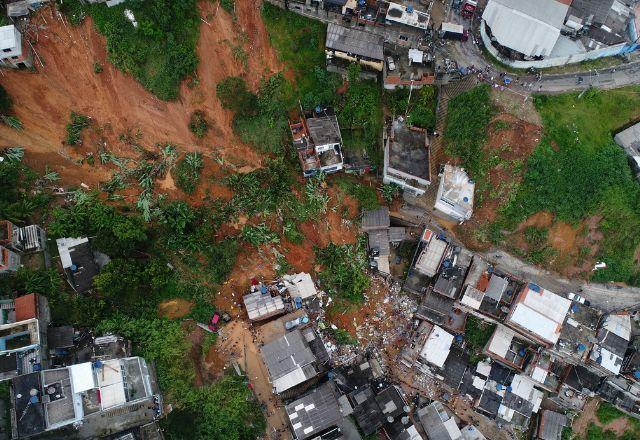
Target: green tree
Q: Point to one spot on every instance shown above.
(235, 96)
(6, 103)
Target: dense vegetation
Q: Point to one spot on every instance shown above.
(477, 333)
(578, 171)
(188, 171)
(468, 115)
(159, 51)
(419, 106)
(343, 271)
(198, 123)
(78, 122)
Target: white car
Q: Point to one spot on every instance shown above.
(575, 297)
(391, 64)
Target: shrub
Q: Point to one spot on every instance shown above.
(258, 235)
(343, 272)
(188, 172)
(229, 6)
(198, 124)
(607, 413)
(74, 128)
(97, 67)
(6, 103)
(477, 334)
(235, 96)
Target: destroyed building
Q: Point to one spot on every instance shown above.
(455, 194)
(78, 262)
(377, 225)
(406, 158)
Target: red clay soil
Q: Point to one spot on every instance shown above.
(116, 102)
(588, 416)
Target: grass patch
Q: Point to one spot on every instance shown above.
(577, 171)
(160, 52)
(607, 413)
(366, 195)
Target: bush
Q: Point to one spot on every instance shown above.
(607, 413)
(235, 96)
(74, 128)
(365, 195)
(467, 118)
(97, 67)
(229, 6)
(343, 271)
(198, 124)
(188, 172)
(6, 103)
(477, 333)
(258, 235)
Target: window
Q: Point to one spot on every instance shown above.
(403, 38)
(7, 50)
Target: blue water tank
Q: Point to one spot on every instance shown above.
(465, 199)
(522, 352)
(264, 289)
(410, 9)
(74, 268)
(34, 399)
(509, 388)
(499, 387)
(318, 109)
(534, 287)
(446, 263)
(574, 308)
(305, 319)
(362, 2)
(458, 338)
(581, 347)
(37, 366)
(636, 374)
(97, 364)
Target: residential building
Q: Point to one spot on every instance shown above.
(316, 415)
(546, 369)
(613, 338)
(520, 401)
(578, 385)
(410, 68)
(453, 273)
(374, 411)
(406, 158)
(294, 360)
(9, 261)
(622, 393)
(629, 140)
(438, 423)
(437, 347)
(550, 425)
(577, 333)
(376, 224)
(317, 140)
(90, 400)
(78, 262)
(442, 311)
(530, 29)
(488, 293)
(23, 335)
(470, 432)
(261, 304)
(507, 348)
(538, 314)
(300, 286)
(345, 46)
(30, 238)
(14, 52)
(407, 16)
(455, 194)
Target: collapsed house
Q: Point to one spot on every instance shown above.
(406, 158)
(317, 140)
(381, 235)
(455, 194)
(295, 360)
(78, 262)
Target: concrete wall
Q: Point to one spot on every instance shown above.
(553, 62)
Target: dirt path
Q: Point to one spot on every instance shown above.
(118, 103)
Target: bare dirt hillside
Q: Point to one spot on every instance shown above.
(117, 103)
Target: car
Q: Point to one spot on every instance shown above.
(577, 298)
(391, 64)
(295, 322)
(213, 325)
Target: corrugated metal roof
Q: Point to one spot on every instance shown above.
(285, 358)
(376, 219)
(354, 41)
(315, 412)
(529, 27)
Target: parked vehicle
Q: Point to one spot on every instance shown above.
(391, 64)
(577, 298)
(296, 322)
(213, 325)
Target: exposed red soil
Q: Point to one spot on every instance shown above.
(117, 103)
(174, 308)
(588, 416)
